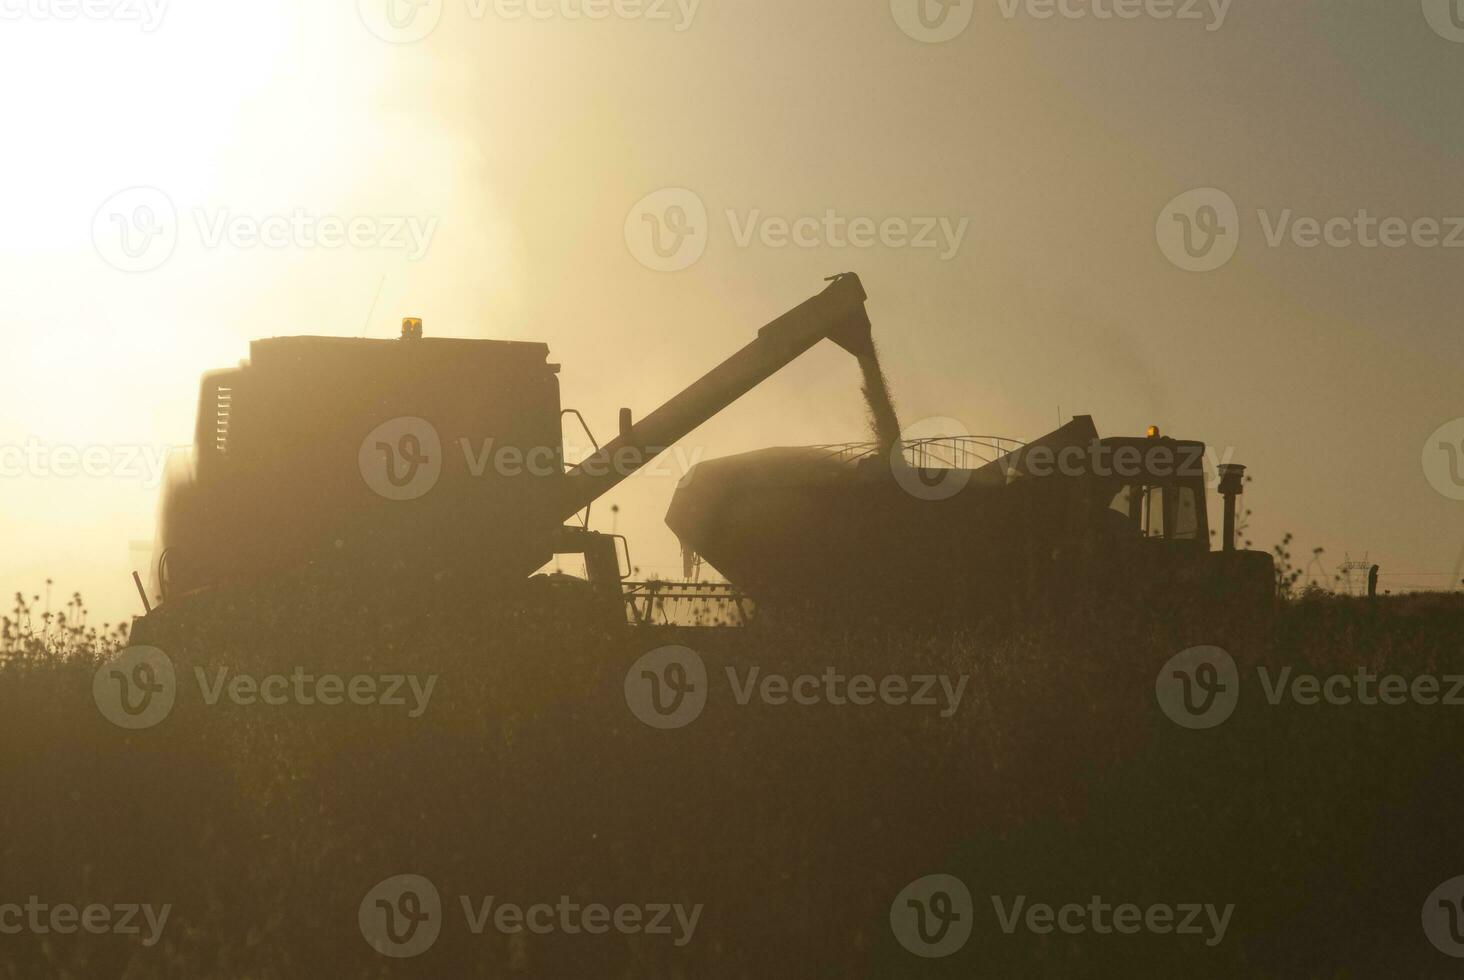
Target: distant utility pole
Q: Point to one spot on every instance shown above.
(1355, 574)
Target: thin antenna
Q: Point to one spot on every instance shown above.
(374, 300)
(137, 580)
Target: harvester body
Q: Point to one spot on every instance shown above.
(364, 451)
(424, 459)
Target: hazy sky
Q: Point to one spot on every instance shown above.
(519, 147)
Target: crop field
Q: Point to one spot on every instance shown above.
(774, 833)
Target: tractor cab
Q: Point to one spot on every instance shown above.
(1150, 493)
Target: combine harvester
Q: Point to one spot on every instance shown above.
(380, 467)
(372, 467)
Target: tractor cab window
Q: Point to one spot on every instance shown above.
(1152, 510)
(1163, 500)
(1127, 511)
(1152, 498)
(1186, 513)
(1120, 503)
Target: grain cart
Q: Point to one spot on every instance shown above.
(961, 526)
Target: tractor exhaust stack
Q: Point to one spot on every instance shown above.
(1232, 485)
